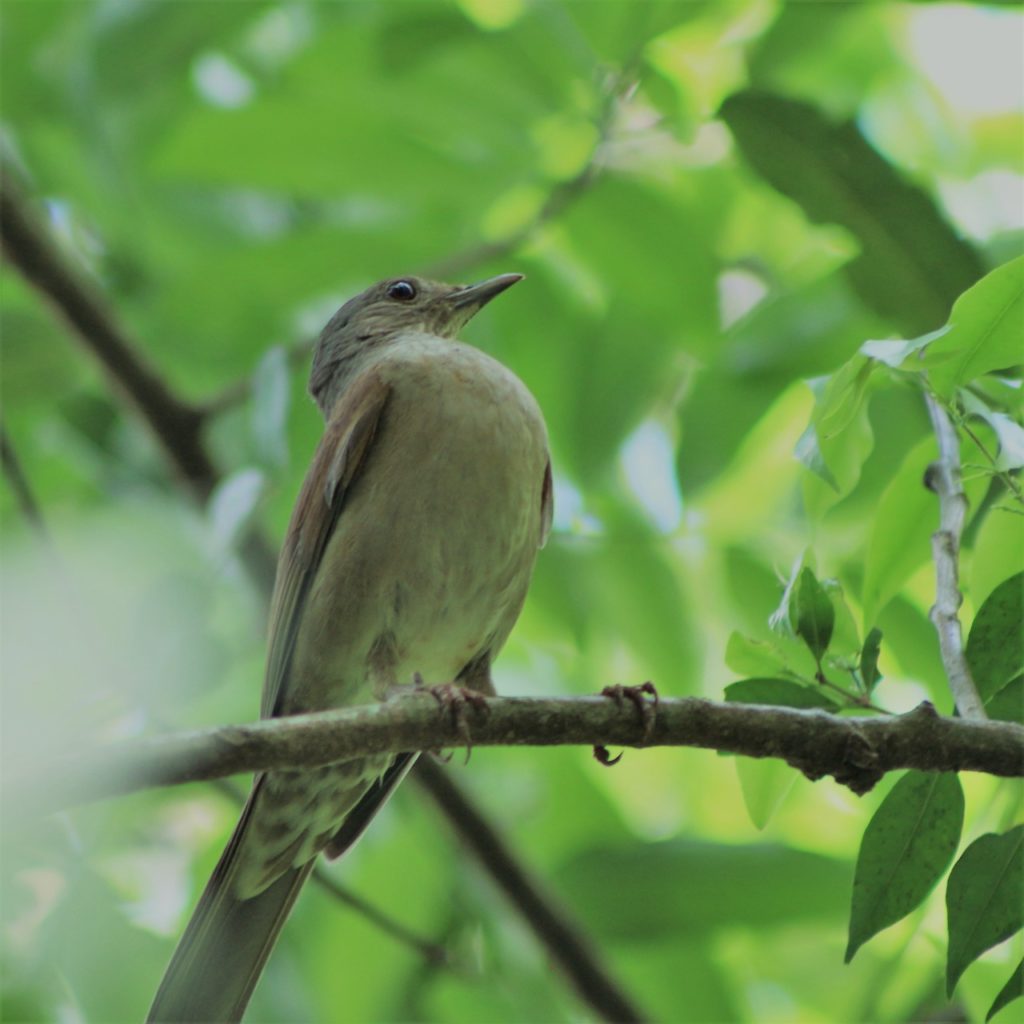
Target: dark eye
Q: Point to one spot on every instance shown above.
(403, 291)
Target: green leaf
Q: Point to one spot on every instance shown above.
(780, 692)
(912, 264)
(995, 646)
(641, 892)
(1013, 989)
(985, 332)
(984, 899)
(764, 782)
(900, 534)
(746, 654)
(869, 674)
(1008, 704)
(907, 846)
(1009, 433)
(812, 614)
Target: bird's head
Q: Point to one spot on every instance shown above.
(395, 306)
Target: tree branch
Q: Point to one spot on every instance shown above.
(944, 479)
(857, 752)
(175, 424)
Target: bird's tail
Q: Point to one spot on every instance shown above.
(220, 956)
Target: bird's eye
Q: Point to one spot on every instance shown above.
(403, 291)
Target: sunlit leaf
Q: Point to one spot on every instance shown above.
(784, 692)
(985, 330)
(904, 519)
(1013, 989)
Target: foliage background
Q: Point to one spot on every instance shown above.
(227, 173)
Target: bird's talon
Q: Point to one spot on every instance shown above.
(648, 710)
(453, 699)
(602, 756)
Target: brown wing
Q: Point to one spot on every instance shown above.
(339, 458)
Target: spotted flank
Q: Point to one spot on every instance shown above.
(296, 814)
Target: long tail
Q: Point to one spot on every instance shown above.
(220, 956)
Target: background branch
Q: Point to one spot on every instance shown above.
(944, 479)
(568, 943)
(855, 751)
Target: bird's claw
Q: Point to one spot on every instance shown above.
(648, 711)
(454, 699)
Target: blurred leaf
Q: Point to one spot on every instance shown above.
(869, 674)
(765, 783)
(903, 522)
(811, 613)
(998, 552)
(907, 846)
(642, 892)
(984, 899)
(985, 330)
(844, 645)
(745, 654)
(1013, 989)
(912, 265)
(271, 398)
(995, 645)
(784, 692)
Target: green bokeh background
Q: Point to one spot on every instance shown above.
(226, 173)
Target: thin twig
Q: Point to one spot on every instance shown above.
(19, 485)
(857, 752)
(562, 937)
(944, 479)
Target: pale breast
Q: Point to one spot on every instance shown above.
(433, 551)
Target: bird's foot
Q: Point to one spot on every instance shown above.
(454, 700)
(648, 711)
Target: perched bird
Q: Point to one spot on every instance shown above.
(408, 557)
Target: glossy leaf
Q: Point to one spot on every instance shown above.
(984, 899)
(907, 846)
(903, 523)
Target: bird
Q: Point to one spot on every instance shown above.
(407, 560)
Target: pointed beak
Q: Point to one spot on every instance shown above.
(475, 296)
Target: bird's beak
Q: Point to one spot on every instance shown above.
(476, 296)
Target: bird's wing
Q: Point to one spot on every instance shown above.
(338, 461)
